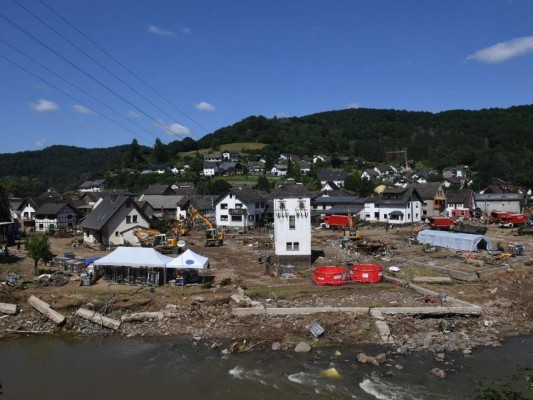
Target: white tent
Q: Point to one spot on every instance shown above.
(457, 241)
(189, 260)
(135, 257)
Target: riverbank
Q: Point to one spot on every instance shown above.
(206, 313)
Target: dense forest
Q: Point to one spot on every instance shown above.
(493, 142)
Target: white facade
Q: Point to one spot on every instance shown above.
(292, 226)
(117, 230)
(236, 215)
(64, 219)
(401, 213)
(279, 170)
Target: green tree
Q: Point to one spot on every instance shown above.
(160, 151)
(134, 153)
(262, 184)
(219, 186)
(38, 248)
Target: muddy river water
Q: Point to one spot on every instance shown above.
(66, 368)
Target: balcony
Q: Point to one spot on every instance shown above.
(237, 211)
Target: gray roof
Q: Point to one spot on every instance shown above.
(372, 172)
(459, 196)
(336, 199)
(428, 190)
(245, 194)
(499, 196)
(157, 188)
(203, 202)
(91, 184)
(397, 196)
(328, 175)
(159, 202)
(227, 165)
(52, 208)
(105, 211)
(292, 191)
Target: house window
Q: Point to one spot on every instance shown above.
(256, 205)
(236, 218)
(292, 222)
(293, 246)
(128, 219)
(223, 217)
(223, 206)
(134, 219)
(116, 233)
(41, 227)
(262, 205)
(238, 206)
(376, 215)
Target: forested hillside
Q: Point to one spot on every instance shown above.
(493, 142)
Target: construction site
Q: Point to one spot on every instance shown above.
(429, 297)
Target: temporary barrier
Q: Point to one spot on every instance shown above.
(366, 273)
(330, 275)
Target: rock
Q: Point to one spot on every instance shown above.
(467, 352)
(439, 356)
(330, 373)
(438, 373)
(381, 358)
(276, 346)
(302, 347)
(366, 325)
(398, 367)
(362, 358)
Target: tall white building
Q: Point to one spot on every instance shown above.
(292, 225)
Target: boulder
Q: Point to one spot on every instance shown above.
(438, 373)
(302, 347)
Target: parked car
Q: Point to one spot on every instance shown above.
(62, 234)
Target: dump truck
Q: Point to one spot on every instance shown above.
(336, 221)
(496, 216)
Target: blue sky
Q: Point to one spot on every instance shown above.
(217, 62)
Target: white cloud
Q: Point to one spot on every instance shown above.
(186, 30)
(156, 30)
(40, 143)
(173, 129)
(353, 105)
(78, 108)
(44, 105)
(133, 114)
(282, 115)
(205, 106)
(503, 51)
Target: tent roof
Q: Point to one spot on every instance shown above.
(189, 260)
(452, 240)
(134, 257)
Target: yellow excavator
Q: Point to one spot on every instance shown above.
(351, 232)
(212, 235)
(159, 241)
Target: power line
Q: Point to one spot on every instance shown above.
(122, 65)
(76, 86)
(92, 58)
(13, 23)
(69, 95)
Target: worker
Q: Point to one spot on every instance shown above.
(260, 257)
(268, 265)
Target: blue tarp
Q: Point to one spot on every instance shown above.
(457, 241)
(91, 260)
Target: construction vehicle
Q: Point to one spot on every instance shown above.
(335, 221)
(512, 220)
(351, 232)
(212, 235)
(159, 241)
(441, 223)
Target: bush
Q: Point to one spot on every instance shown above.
(226, 281)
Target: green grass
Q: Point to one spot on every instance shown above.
(233, 147)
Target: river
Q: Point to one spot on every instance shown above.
(115, 368)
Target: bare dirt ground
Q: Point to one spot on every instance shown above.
(206, 313)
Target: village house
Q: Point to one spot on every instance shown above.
(165, 206)
(337, 177)
(210, 169)
(370, 173)
(156, 169)
(113, 220)
(292, 225)
(93, 186)
(227, 168)
(213, 158)
(460, 202)
(230, 156)
(239, 209)
(394, 206)
(510, 202)
(158, 189)
(279, 170)
(55, 215)
(256, 168)
(433, 197)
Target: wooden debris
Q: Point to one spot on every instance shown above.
(26, 332)
(7, 308)
(44, 308)
(98, 319)
(142, 316)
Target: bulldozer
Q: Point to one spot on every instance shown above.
(213, 237)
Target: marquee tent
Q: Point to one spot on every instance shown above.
(189, 260)
(135, 257)
(457, 241)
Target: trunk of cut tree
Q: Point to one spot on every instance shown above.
(35, 270)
